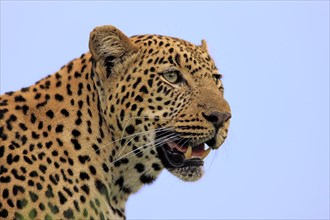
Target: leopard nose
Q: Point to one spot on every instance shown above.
(217, 118)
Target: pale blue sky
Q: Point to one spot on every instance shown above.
(274, 56)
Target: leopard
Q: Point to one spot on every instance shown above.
(79, 142)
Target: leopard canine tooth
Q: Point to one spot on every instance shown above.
(188, 153)
(205, 153)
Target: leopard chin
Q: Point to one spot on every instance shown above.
(188, 173)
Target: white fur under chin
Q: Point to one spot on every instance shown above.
(189, 173)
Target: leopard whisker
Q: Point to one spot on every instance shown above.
(186, 140)
(156, 130)
(131, 118)
(157, 143)
(136, 117)
(129, 136)
(160, 143)
(151, 144)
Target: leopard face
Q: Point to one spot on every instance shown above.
(164, 93)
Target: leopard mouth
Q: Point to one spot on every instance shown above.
(175, 155)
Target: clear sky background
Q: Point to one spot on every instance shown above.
(274, 56)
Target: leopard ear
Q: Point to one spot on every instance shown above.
(109, 43)
(204, 45)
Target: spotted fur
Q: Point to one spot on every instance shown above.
(77, 143)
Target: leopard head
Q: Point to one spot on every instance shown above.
(162, 99)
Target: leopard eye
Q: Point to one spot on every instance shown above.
(172, 77)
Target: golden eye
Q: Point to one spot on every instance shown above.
(172, 77)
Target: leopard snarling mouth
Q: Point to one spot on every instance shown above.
(176, 155)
